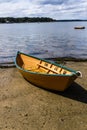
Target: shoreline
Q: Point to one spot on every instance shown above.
(28, 107)
(59, 60)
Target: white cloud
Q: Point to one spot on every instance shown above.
(58, 9)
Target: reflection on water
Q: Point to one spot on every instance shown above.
(45, 40)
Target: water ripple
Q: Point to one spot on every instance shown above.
(46, 40)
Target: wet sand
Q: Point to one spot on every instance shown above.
(24, 106)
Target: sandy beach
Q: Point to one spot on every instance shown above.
(24, 106)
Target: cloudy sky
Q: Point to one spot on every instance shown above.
(57, 9)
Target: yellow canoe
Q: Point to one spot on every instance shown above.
(45, 74)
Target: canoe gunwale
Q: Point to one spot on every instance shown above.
(74, 73)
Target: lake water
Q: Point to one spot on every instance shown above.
(44, 40)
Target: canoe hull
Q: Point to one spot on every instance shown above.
(59, 83)
(52, 80)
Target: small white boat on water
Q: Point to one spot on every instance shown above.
(79, 27)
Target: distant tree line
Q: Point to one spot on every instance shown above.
(71, 20)
(25, 19)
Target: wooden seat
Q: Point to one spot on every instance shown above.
(48, 68)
